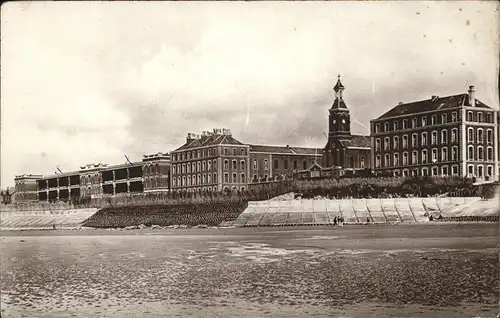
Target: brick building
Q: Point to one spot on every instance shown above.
(216, 161)
(156, 172)
(441, 136)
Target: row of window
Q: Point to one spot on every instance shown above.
(196, 154)
(435, 156)
(434, 138)
(211, 189)
(403, 124)
(444, 171)
(204, 179)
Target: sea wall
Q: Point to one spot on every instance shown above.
(355, 211)
(44, 219)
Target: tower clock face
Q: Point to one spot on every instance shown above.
(343, 121)
(334, 121)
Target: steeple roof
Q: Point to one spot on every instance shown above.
(339, 85)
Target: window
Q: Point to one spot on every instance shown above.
(444, 154)
(454, 170)
(414, 172)
(424, 139)
(444, 136)
(266, 164)
(386, 143)
(209, 178)
(479, 135)
(226, 152)
(377, 128)
(480, 171)
(226, 164)
(405, 158)
(414, 123)
(276, 164)
(490, 171)
(226, 177)
(488, 118)
(183, 180)
(214, 180)
(434, 171)
(377, 161)
(424, 121)
(395, 125)
(203, 166)
(454, 135)
(470, 153)
(489, 135)
(396, 142)
(386, 127)
(198, 154)
(405, 123)
(470, 134)
(255, 164)
(414, 140)
(362, 162)
(234, 178)
(188, 181)
(480, 117)
(285, 164)
(469, 116)
(414, 157)
(209, 165)
(434, 137)
(188, 168)
(242, 152)
(183, 168)
(242, 178)
(433, 120)
(235, 165)
(424, 156)
(425, 172)
(471, 171)
(174, 169)
(234, 152)
(480, 153)
(214, 166)
(454, 153)
(386, 160)
(242, 164)
(304, 165)
(396, 159)
(405, 173)
(405, 141)
(295, 164)
(198, 180)
(490, 154)
(434, 155)
(377, 144)
(198, 166)
(173, 182)
(444, 170)
(444, 118)
(454, 117)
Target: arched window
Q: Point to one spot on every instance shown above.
(234, 178)
(242, 180)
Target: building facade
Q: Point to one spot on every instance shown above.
(25, 187)
(441, 136)
(216, 161)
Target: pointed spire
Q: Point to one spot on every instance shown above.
(339, 85)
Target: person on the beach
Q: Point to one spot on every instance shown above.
(335, 220)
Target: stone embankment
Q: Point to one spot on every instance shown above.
(358, 211)
(33, 219)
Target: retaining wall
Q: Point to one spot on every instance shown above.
(355, 211)
(44, 219)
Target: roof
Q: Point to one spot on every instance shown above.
(338, 85)
(360, 141)
(339, 103)
(431, 104)
(286, 150)
(211, 140)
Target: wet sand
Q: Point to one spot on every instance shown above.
(432, 270)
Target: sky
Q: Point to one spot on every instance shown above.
(92, 82)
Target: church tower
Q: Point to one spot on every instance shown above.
(339, 130)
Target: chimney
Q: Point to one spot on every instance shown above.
(434, 97)
(472, 96)
(190, 137)
(400, 103)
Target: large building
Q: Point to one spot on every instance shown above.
(26, 187)
(216, 161)
(441, 136)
